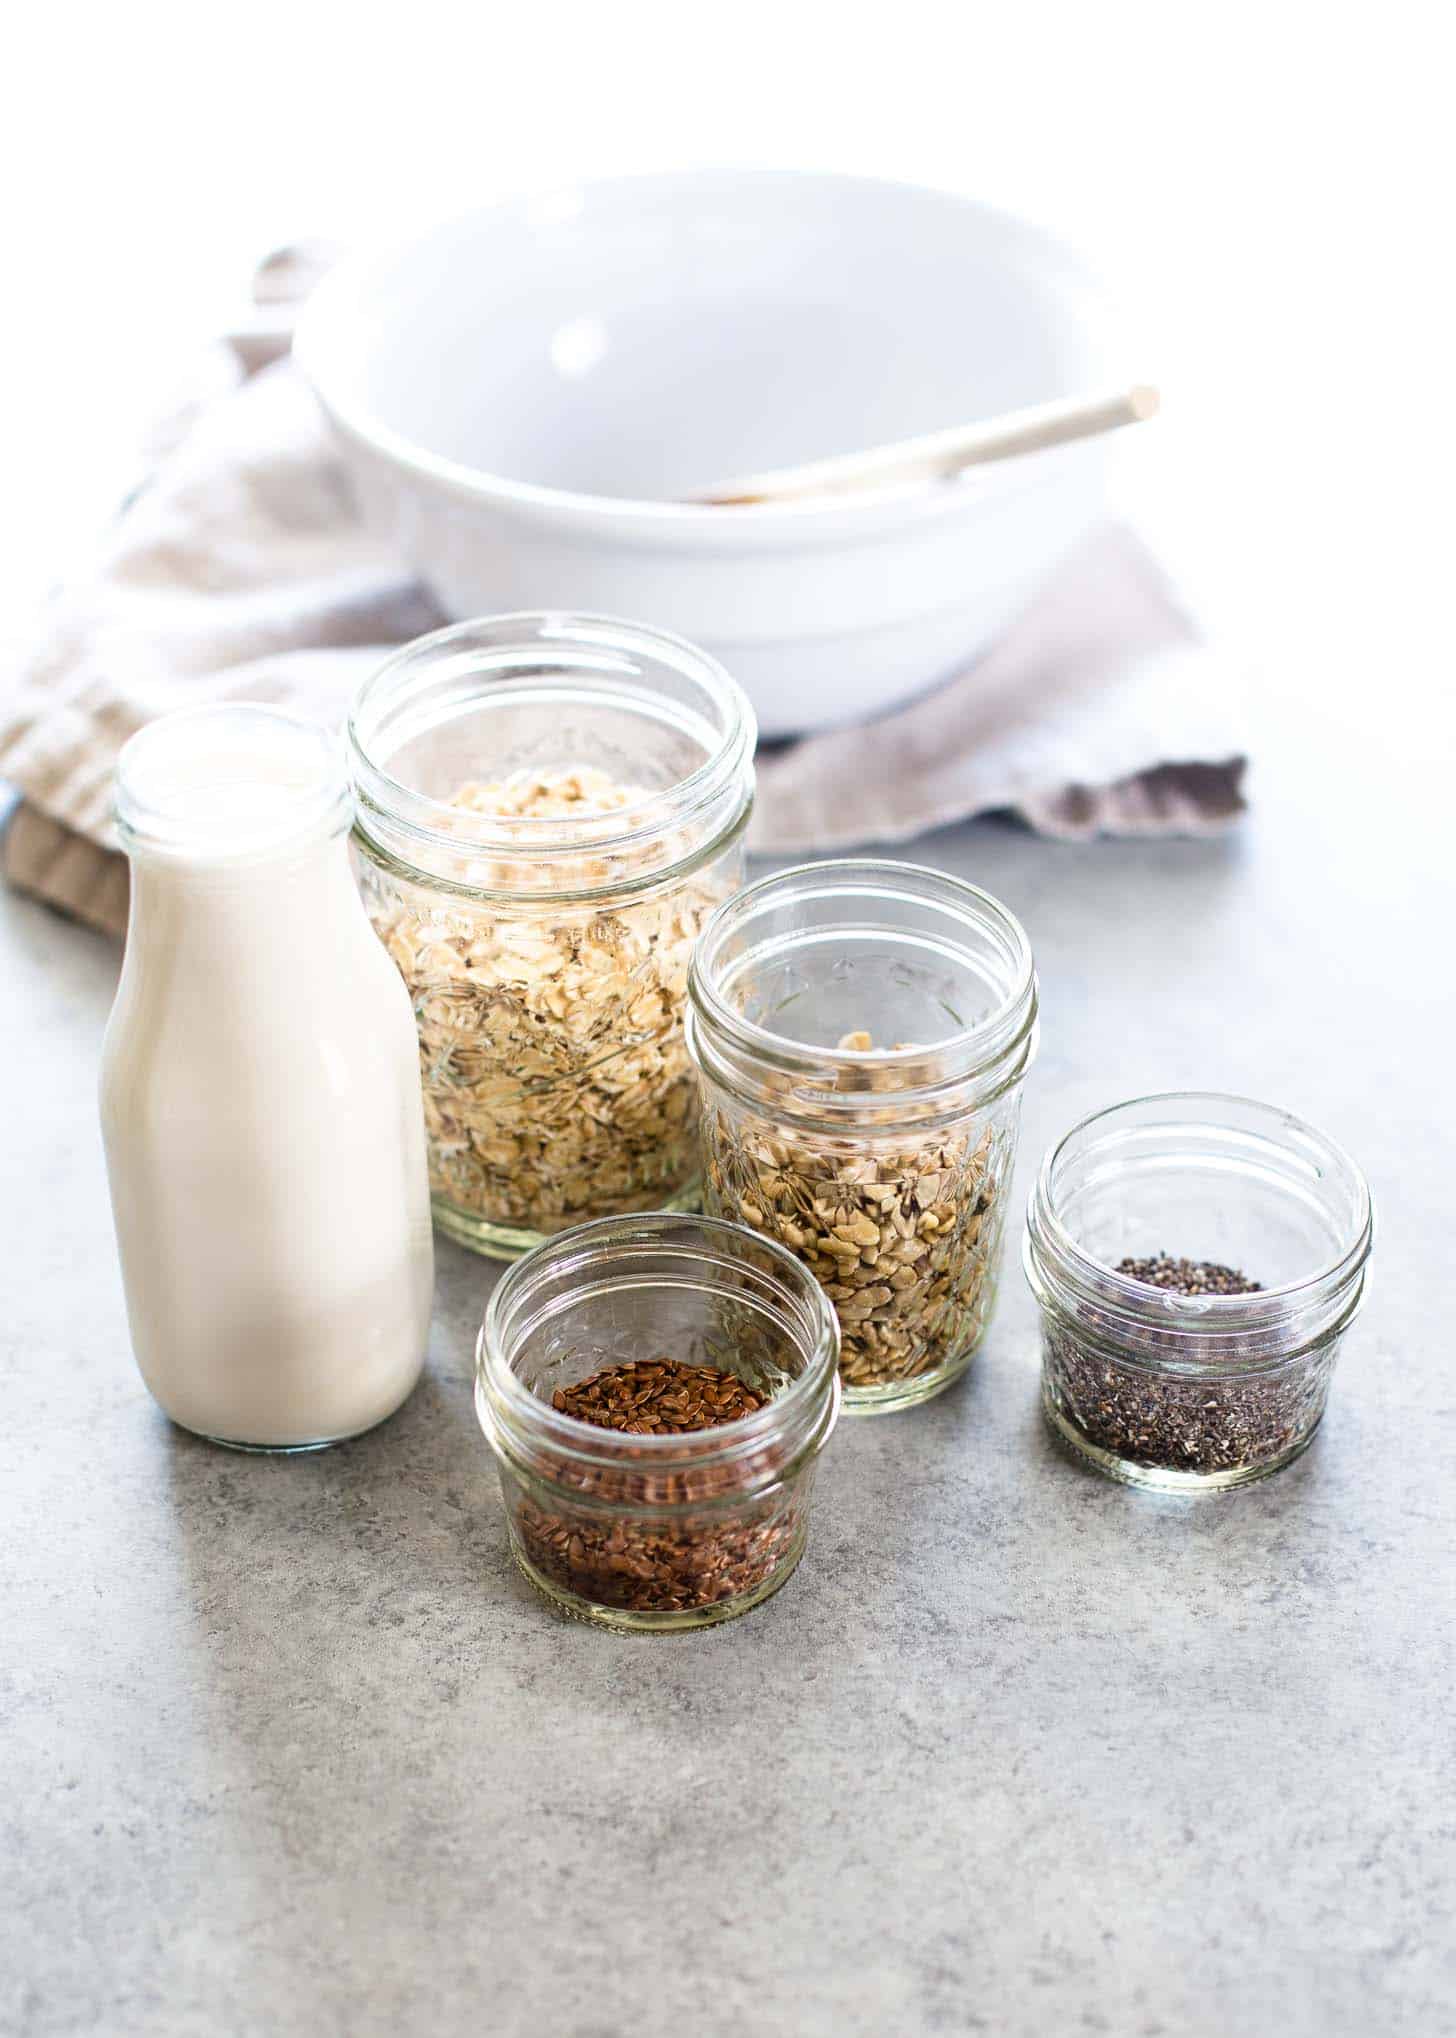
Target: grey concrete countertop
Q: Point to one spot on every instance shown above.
(288, 1747)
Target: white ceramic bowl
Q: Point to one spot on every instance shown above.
(520, 394)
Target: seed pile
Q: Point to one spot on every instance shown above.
(654, 1563)
(903, 1236)
(658, 1397)
(1188, 1277)
(1175, 1422)
(556, 1078)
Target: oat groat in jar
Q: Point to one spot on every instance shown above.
(548, 809)
(862, 1031)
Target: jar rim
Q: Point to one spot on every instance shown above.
(528, 635)
(655, 1232)
(950, 1061)
(1049, 1239)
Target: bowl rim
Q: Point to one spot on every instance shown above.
(319, 332)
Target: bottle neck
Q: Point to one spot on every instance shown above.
(271, 902)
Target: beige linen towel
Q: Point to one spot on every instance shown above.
(240, 571)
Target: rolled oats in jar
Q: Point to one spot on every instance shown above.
(548, 809)
(862, 1030)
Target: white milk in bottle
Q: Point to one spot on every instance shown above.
(260, 1094)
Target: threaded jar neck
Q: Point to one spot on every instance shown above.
(516, 693)
(661, 1285)
(1201, 1175)
(792, 977)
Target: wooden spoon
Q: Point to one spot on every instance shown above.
(938, 456)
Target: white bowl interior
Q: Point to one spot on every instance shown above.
(644, 338)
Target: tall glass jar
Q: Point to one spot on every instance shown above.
(1189, 1391)
(643, 1531)
(548, 808)
(862, 1031)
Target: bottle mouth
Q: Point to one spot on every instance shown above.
(229, 784)
(492, 698)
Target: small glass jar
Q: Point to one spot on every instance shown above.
(1190, 1392)
(548, 808)
(862, 1031)
(657, 1532)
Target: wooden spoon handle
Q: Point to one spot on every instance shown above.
(936, 455)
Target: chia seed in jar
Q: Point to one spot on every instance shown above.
(1190, 1374)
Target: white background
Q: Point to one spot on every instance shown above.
(1274, 183)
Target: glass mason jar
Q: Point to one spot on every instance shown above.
(1187, 1392)
(862, 1031)
(548, 808)
(638, 1531)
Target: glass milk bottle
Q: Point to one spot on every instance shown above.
(260, 1095)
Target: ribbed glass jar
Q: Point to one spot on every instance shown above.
(639, 1531)
(1189, 1392)
(862, 1030)
(548, 808)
